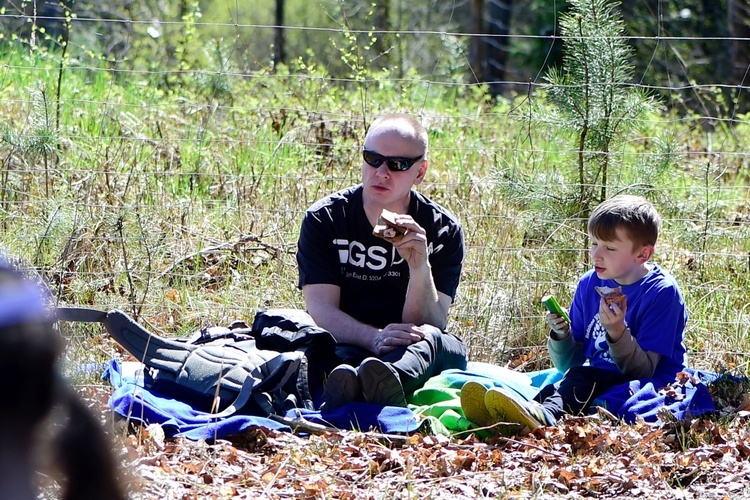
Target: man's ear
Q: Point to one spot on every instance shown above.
(421, 172)
(644, 254)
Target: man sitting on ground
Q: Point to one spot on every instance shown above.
(386, 303)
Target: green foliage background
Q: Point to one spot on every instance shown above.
(169, 179)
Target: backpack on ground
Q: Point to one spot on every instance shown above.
(277, 363)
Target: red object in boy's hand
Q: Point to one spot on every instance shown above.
(610, 295)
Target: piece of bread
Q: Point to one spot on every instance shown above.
(387, 228)
(611, 295)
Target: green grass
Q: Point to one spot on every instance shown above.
(182, 207)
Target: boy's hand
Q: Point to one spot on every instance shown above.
(557, 324)
(612, 318)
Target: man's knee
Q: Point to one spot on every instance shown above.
(435, 332)
(434, 337)
(448, 348)
(431, 333)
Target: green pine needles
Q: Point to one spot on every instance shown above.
(598, 127)
(592, 95)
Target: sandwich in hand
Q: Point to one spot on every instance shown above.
(387, 228)
(611, 295)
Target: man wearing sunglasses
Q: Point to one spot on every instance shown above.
(385, 303)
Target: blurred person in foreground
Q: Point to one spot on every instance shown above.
(38, 406)
(627, 322)
(386, 303)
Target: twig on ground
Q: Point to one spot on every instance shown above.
(510, 440)
(300, 424)
(229, 245)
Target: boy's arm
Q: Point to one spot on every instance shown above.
(653, 339)
(631, 359)
(564, 351)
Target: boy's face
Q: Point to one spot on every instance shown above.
(620, 260)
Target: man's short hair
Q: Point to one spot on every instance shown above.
(633, 214)
(418, 132)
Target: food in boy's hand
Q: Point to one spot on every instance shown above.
(387, 228)
(553, 306)
(611, 295)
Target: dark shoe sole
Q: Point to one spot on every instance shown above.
(342, 387)
(381, 384)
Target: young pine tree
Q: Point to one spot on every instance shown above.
(592, 95)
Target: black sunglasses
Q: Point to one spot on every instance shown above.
(394, 163)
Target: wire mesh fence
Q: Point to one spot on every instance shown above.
(175, 191)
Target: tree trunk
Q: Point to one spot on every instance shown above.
(497, 42)
(383, 41)
(279, 55)
(739, 31)
(477, 52)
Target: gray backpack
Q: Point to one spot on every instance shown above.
(259, 370)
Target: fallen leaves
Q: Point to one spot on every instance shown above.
(582, 456)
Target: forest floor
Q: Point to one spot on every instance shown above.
(594, 456)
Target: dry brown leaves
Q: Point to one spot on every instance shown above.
(579, 457)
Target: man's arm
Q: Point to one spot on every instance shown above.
(424, 304)
(323, 305)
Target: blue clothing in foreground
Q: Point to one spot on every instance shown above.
(23, 302)
(656, 316)
(135, 402)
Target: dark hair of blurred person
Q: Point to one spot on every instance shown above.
(36, 401)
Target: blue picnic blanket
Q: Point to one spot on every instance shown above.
(436, 405)
(645, 399)
(365, 416)
(132, 400)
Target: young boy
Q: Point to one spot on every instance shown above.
(637, 337)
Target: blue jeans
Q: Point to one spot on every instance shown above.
(417, 362)
(579, 387)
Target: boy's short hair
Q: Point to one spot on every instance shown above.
(634, 214)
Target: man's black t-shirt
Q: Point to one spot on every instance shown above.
(336, 246)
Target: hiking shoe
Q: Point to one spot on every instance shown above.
(506, 407)
(342, 387)
(380, 383)
(472, 404)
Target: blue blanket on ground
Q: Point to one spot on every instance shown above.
(438, 401)
(645, 399)
(178, 419)
(132, 400)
